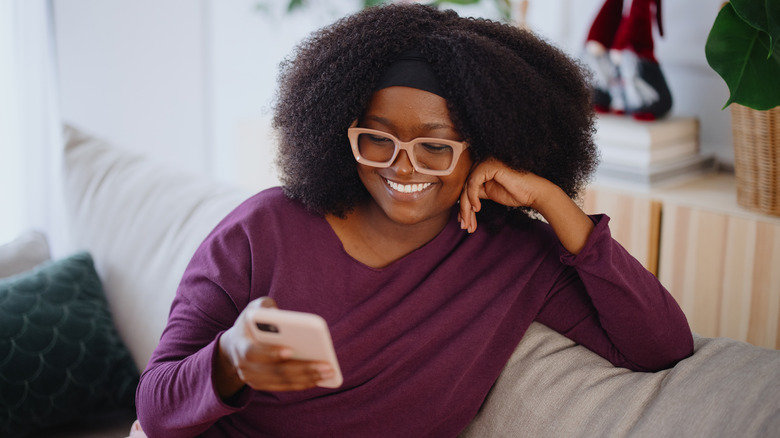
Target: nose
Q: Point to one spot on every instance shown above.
(402, 164)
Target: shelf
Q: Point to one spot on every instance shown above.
(716, 192)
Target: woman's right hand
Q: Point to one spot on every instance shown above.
(244, 361)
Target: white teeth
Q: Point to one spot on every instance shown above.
(407, 188)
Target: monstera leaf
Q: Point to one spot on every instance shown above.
(762, 15)
(742, 48)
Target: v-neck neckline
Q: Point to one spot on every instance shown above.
(449, 231)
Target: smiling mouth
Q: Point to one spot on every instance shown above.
(407, 188)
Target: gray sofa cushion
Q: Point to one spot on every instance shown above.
(552, 387)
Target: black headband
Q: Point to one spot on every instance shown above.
(411, 69)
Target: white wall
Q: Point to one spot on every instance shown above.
(192, 82)
(135, 71)
(247, 46)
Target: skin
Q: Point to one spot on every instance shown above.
(393, 224)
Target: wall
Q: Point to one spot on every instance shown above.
(247, 46)
(192, 82)
(136, 72)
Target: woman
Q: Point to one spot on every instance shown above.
(417, 149)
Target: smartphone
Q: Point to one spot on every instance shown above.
(306, 334)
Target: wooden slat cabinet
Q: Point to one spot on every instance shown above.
(724, 271)
(720, 261)
(634, 221)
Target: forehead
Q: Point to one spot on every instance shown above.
(404, 105)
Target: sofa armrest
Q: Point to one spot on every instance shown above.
(552, 387)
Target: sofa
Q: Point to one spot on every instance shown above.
(138, 222)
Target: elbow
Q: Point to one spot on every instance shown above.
(670, 346)
(668, 354)
(683, 350)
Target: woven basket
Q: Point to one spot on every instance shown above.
(757, 158)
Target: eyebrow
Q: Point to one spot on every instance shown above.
(428, 126)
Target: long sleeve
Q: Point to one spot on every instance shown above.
(608, 302)
(176, 397)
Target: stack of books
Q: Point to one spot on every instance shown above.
(649, 154)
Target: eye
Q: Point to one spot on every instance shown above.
(436, 148)
(380, 140)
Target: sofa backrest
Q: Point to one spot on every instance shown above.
(141, 221)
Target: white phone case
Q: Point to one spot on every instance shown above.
(306, 334)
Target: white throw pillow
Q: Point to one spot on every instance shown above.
(27, 251)
(141, 221)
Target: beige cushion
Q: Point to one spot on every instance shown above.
(27, 251)
(552, 387)
(141, 221)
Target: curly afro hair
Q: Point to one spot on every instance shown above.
(511, 95)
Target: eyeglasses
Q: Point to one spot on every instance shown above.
(431, 156)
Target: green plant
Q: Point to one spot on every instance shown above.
(743, 49)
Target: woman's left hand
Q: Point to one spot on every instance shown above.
(498, 182)
(494, 180)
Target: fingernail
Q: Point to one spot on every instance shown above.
(285, 353)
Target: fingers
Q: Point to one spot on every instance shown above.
(268, 367)
(474, 188)
(265, 302)
(473, 191)
(264, 353)
(287, 375)
(466, 215)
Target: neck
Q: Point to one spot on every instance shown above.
(372, 220)
(373, 239)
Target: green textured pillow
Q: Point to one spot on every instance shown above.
(61, 357)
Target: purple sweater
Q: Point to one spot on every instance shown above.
(420, 342)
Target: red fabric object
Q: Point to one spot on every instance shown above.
(632, 32)
(636, 30)
(606, 23)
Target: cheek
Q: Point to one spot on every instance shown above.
(362, 173)
(462, 170)
(368, 176)
(454, 184)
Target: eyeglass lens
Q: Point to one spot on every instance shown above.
(428, 154)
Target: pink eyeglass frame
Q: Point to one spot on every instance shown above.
(457, 148)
